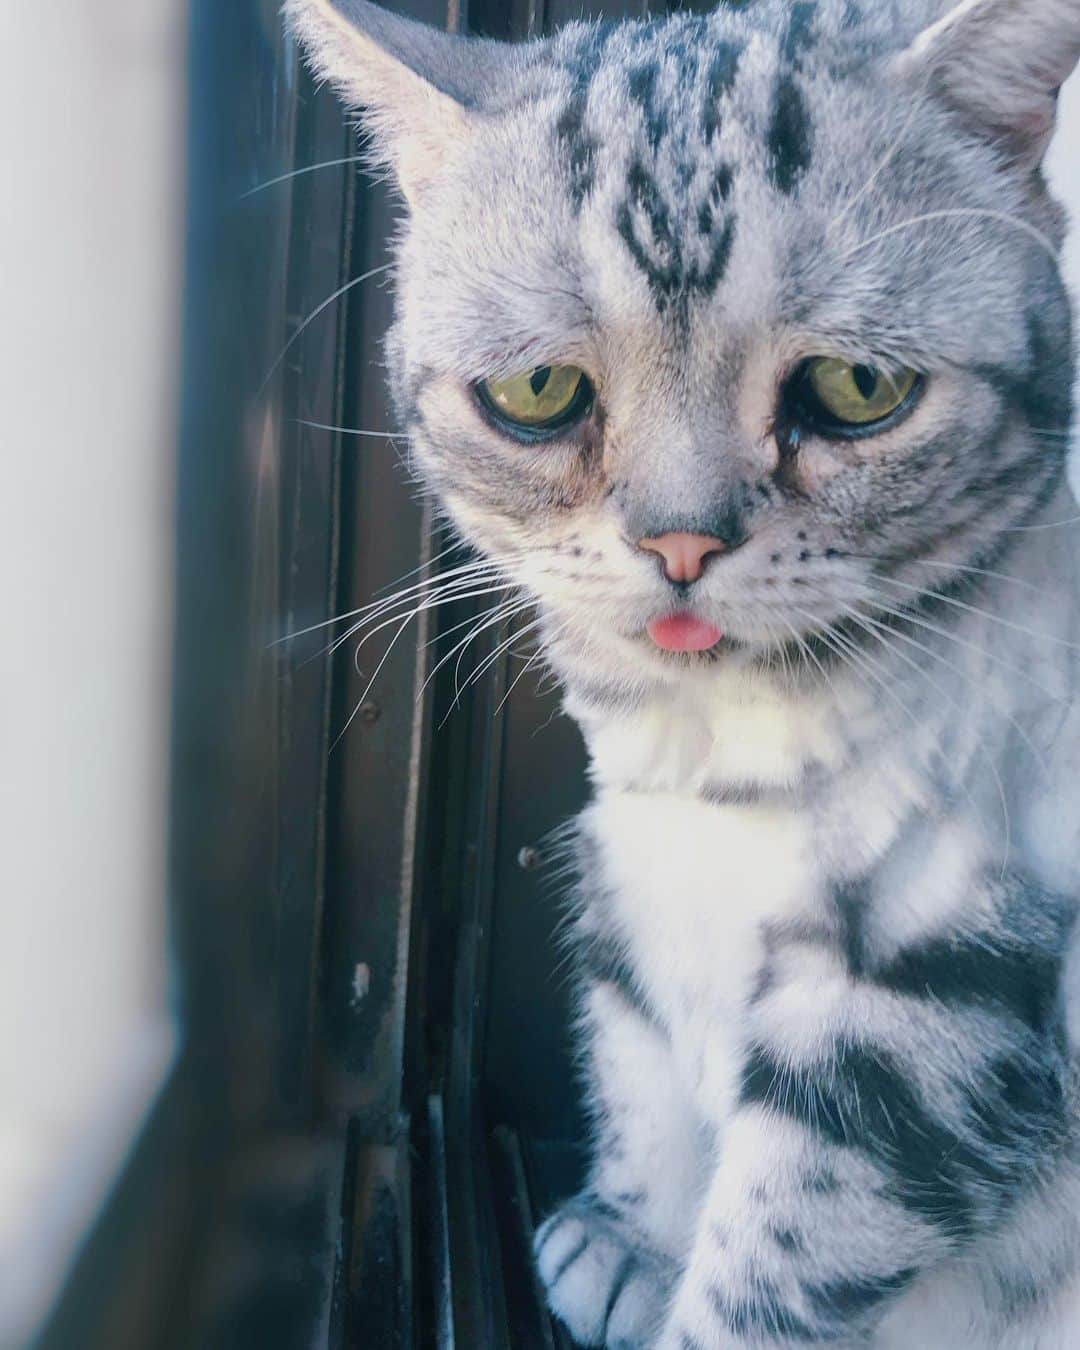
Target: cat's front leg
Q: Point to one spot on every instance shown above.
(886, 1121)
(610, 1258)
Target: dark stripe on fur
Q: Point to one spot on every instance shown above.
(1008, 1123)
(646, 225)
(720, 253)
(963, 972)
(642, 84)
(603, 961)
(842, 1304)
(799, 38)
(575, 1254)
(765, 1312)
(621, 1280)
(658, 255)
(851, 901)
(579, 147)
(736, 794)
(789, 136)
(722, 71)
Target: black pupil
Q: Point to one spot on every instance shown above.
(538, 380)
(866, 378)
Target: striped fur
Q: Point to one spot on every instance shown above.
(826, 898)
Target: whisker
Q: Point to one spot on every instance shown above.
(883, 163)
(491, 621)
(956, 707)
(297, 173)
(983, 613)
(490, 660)
(367, 688)
(479, 565)
(893, 607)
(351, 431)
(827, 634)
(487, 661)
(854, 653)
(428, 563)
(325, 304)
(882, 606)
(428, 603)
(459, 588)
(496, 614)
(444, 633)
(403, 623)
(536, 656)
(864, 620)
(957, 212)
(812, 655)
(1046, 525)
(958, 567)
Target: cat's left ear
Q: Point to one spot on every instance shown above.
(1000, 64)
(414, 86)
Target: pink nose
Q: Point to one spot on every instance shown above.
(683, 554)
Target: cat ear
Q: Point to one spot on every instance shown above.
(410, 83)
(1000, 64)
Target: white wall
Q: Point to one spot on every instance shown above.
(1063, 164)
(91, 127)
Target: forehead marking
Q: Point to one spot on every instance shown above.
(578, 146)
(643, 92)
(799, 37)
(789, 136)
(680, 245)
(645, 224)
(723, 68)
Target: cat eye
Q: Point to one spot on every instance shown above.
(839, 398)
(538, 403)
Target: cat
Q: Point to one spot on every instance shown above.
(738, 342)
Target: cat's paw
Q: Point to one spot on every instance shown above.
(607, 1287)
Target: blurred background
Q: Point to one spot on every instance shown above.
(283, 1053)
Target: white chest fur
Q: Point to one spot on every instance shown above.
(693, 885)
(727, 730)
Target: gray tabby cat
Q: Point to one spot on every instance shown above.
(738, 342)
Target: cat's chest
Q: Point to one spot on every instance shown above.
(689, 890)
(692, 886)
(702, 842)
(702, 836)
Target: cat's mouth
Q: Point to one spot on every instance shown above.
(682, 632)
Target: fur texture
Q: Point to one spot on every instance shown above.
(828, 874)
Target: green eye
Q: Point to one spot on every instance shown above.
(540, 402)
(848, 399)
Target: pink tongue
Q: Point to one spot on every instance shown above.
(683, 633)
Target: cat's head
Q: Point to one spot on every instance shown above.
(719, 320)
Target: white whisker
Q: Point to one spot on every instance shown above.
(982, 613)
(956, 213)
(325, 304)
(864, 620)
(351, 431)
(297, 173)
(865, 625)
(478, 568)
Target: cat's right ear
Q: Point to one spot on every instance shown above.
(413, 86)
(1000, 64)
